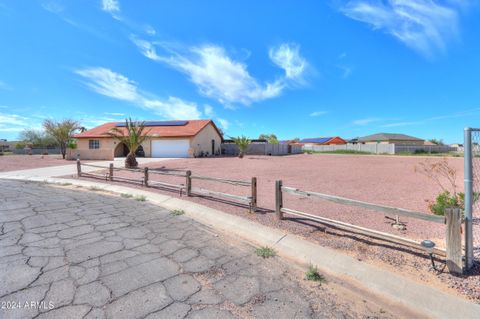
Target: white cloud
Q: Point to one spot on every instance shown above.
(174, 108)
(12, 119)
(223, 123)
(13, 123)
(112, 7)
(423, 25)
(208, 110)
(219, 76)
(150, 30)
(109, 83)
(53, 7)
(287, 56)
(318, 113)
(148, 49)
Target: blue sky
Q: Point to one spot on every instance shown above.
(294, 68)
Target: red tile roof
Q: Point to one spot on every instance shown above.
(192, 128)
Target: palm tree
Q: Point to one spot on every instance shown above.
(133, 138)
(242, 143)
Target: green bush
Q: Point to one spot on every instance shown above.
(446, 200)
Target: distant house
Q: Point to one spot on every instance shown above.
(391, 138)
(290, 142)
(334, 140)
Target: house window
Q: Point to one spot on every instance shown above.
(93, 144)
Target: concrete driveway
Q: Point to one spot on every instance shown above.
(67, 253)
(71, 169)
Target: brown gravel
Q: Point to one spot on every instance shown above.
(388, 180)
(18, 162)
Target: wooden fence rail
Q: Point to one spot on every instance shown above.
(187, 186)
(374, 207)
(452, 219)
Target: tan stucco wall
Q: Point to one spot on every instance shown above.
(408, 142)
(203, 140)
(105, 152)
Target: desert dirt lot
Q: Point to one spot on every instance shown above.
(18, 162)
(383, 180)
(388, 180)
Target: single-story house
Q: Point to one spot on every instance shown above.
(334, 140)
(191, 138)
(390, 138)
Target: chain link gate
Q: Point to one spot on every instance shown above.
(472, 196)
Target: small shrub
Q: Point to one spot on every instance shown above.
(242, 142)
(446, 200)
(94, 188)
(125, 195)
(140, 198)
(312, 274)
(178, 212)
(265, 252)
(65, 184)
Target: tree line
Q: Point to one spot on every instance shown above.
(53, 134)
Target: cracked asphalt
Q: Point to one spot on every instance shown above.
(70, 253)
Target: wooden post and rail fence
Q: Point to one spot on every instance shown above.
(189, 190)
(452, 219)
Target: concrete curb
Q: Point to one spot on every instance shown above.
(402, 292)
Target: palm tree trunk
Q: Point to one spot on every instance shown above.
(131, 161)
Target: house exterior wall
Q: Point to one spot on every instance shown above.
(403, 142)
(203, 141)
(105, 152)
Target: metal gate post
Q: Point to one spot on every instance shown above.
(468, 180)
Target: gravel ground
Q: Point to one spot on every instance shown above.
(17, 162)
(384, 180)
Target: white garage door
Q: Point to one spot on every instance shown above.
(170, 148)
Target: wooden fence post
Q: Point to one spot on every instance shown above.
(79, 168)
(110, 172)
(145, 171)
(188, 183)
(253, 205)
(453, 218)
(278, 200)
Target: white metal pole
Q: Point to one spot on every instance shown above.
(468, 179)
